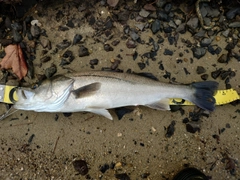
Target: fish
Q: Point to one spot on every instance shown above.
(99, 91)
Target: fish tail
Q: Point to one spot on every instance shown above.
(203, 96)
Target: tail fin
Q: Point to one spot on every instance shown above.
(203, 96)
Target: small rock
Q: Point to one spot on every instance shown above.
(35, 31)
(80, 166)
(17, 37)
(115, 42)
(115, 64)
(134, 35)
(193, 126)
(223, 58)
(168, 52)
(141, 65)
(168, 8)
(233, 12)
(122, 176)
(83, 51)
(181, 28)
(216, 74)
(204, 77)
(162, 16)
(170, 129)
(107, 47)
(205, 42)
(144, 13)
(226, 32)
(200, 70)
(193, 23)
(64, 44)
(104, 168)
(131, 44)
(234, 24)
(77, 38)
(155, 26)
(49, 72)
(198, 52)
(45, 59)
(94, 62)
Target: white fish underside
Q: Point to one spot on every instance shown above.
(108, 90)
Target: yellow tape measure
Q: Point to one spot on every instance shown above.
(8, 95)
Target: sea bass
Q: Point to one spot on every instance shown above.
(98, 91)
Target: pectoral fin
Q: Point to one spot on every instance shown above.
(87, 90)
(102, 112)
(163, 104)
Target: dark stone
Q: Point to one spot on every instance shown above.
(107, 47)
(104, 168)
(77, 38)
(168, 8)
(94, 62)
(168, 52)
(83, 51)
(200, 70)
(64, 44)
(162, 16)
(193, 126)
(156, 26)
(170, 129)
(80, 166)
(122, 176)
(141, 65)
(198, 52)
(216, 74)
(204, 77)
(205, 42)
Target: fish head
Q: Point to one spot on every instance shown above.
(48, 96)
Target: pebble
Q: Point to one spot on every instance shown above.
(107, 47)
(45, 59)
(77, 38)
(80, 166)
(115, 42)
(181, 28)
(64, 44)
(193, 23)
(205, 42)
(204, 77)
(168, 52)
(141, 65)
(49, 72)
(198, 52)
(93, 62)
(130, 43)
(234, 24)
(144, 13)
(162, 16)
(223, 58)
(115, 64)
(170, 129)
(83, 51)
(122, 176)
(35, 31)
(216, 74)
(134, 35)
(233, 12)
(45, 42)
(193, 126)
(17, 37)
(155, 26)
(104, 168)
(200, 70)
(168, 8)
